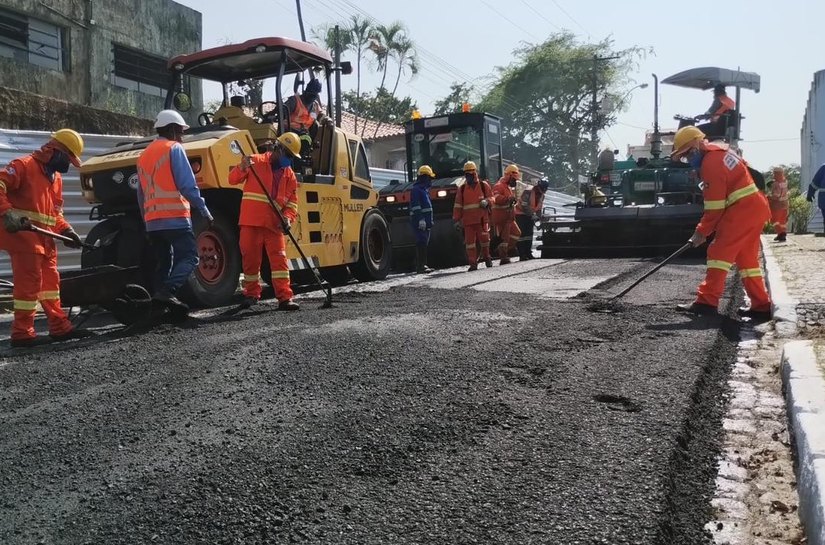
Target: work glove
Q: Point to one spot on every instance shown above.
(536, 217)
(422, 225)
(287, 225)
(76, 240)
(210, 220)
(512, 201)
(484, 203)
(697, 239)
(457, 226)
(13, 222)
(809, 198)
(246, 162)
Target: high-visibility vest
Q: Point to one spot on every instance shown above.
(161, 198)
(727, 103)
(300, 117)
(503, 211)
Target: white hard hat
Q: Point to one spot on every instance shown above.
(167, 117)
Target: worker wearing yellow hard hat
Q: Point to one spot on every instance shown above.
(421, 216)
(261, 227)
(471, 212)
(735, 212)
(31, 198)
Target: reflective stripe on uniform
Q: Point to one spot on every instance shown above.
(750, 273)
(501, 207)
(49, 295)
(252, 278)
(471, 206)
(3, 185)
(51, 221)
(739, 194)
(471, 246)
(20, 304)
(714, 205)
(255, 197)
(719, 264)
(293, 205)
(276, 275)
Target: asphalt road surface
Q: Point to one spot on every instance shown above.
(510, 405)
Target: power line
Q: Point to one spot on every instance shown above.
(537, 12)
(519, 27)
(571, 17)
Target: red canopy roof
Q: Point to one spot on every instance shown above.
(241, 61)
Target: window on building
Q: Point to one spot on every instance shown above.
(31, 40)
(140, 71)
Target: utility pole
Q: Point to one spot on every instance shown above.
(301, 21)
(594, 107)
(337, 77)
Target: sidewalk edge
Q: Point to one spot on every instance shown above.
(803, 384)
(784, 306)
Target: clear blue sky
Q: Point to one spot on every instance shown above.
(783, 41)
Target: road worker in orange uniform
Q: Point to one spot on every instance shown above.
(31, 194)
(528, 211)
(471, 212)
(735, 212)
(261, 227)
(778, 200)
(504, 212)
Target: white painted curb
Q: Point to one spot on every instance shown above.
(804, 386)
(784, 306)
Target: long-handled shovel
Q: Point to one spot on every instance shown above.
(63, 238)
(285, 226)
(667, 260)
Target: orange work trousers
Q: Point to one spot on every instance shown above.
(477, 233)
(253, 241)
(36, 279)
(737, 244)
(510, 234)
(779, 219)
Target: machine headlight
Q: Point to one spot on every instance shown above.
(442, 193)
(390, 199)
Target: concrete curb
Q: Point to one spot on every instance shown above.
(784, 306)
(804, 384)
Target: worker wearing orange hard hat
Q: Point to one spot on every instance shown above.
(735, 212)
(31, 195)
(504, 212)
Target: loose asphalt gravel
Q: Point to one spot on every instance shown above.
(411, 415)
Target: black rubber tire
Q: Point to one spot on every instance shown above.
(133, 306)
(197, 291)
(375, 254)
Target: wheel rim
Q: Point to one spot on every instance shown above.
(375, 244)
(211, 262)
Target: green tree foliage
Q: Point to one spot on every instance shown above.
(379, 106)
(545, 99)
(459, 94)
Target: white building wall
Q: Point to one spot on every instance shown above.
(812, 138)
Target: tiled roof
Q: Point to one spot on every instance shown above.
(366, 127)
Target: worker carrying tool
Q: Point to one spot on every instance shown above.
(528, 212)
(735, 212)
(471, 212)
(261, 228)
(779, 202)
(166, 191)
(421, 216)
(504, 212)
(31, 195)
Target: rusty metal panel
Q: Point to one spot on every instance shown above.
(14, 144)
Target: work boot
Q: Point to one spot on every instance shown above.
(73, 334)
(504, 261)
(247, 302)
(754, 314)
(167, 299)
(488, 262)
(473, 267)
(289, 304)
(700, 309)
(421, 260)
(781, 237)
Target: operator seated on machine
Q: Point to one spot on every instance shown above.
(718, 114)
(305, 110)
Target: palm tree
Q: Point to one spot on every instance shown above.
(406, 56)
(360, 32)
(383, 42)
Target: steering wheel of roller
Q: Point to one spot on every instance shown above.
(205, 119)
(272, 115)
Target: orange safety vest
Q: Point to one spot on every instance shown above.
(502, 210)
(467, 207)
(281, 185)
(300, 117)
(26, 190)
(727, 104)
(729, 191)
(161, 198)
(779, 197)
(530, 202)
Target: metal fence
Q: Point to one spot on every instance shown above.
(14, 144)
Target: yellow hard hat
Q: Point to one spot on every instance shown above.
(291, 142)
(426, 170)
(71, 140)
(470, 166)
(513, 169)
(684, 137)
